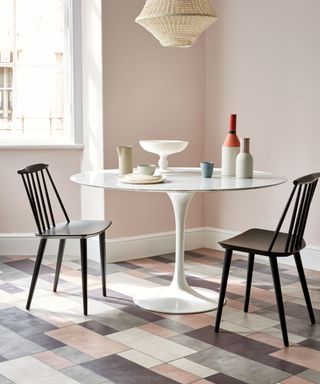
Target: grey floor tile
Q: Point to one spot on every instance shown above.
(239, 367)
(123, 371)
(83, 375)
(45, 341)
(6, 268)
(115, 268)
(222, 378)
(22, 322)
(72, 354)
(27, 266)
(119, 320)
(253, 373)
(14, 275)
(216, 358)
(97, 327)
(246, 347)
(13, 346)
(190, 342)
(10, 288)
(167, 258)
(309, 343)
(143, 314)
(160, 279)
(4, 259)
(127, 264)
(304, 328)
(310, 375)
(174, 326)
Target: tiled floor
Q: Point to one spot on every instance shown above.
(122, 344)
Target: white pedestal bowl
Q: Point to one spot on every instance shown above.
(163, 148)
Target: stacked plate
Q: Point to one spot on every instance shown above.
(132, 178)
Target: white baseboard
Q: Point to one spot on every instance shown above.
(22, 244)
(128, 248)
(118, 249)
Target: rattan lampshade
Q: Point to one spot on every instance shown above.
(176, 23)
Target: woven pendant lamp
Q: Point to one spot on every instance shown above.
(176, 23)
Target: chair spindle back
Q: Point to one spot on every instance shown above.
(36, 179)
(301, 197)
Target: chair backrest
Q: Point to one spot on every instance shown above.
(300, 198)
(38, 184)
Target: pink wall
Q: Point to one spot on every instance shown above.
(263, 61)
(260, 60)
(15, 212)
(150, 92)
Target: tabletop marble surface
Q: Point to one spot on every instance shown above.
(180, 180)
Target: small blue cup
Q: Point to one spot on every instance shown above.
(206, 168)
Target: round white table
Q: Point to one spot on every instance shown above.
(180, 185)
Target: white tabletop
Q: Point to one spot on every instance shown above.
(179, 180)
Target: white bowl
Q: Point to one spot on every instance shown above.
(163, 148)
(146, 169)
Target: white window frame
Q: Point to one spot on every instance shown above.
(72, 88)
(75, 69)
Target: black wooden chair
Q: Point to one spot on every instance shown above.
(274, 244)
(39, 186)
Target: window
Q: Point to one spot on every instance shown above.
(35, 72)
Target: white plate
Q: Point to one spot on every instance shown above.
(142, 179)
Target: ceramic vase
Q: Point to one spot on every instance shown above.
(230, 149)
(244, 161)
(125, 159)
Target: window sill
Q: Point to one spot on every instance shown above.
(40, 146)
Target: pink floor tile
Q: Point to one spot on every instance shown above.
(306, 357)
(157, 330)
(53, 360)
(153, 264)
(268, 339)
(195, 321)
(87, 341)
(174, 373)
(296, 380)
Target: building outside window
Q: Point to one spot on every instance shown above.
(35, 76)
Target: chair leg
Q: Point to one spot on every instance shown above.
(83, 254)
(62, 244)
(42, 247)
(278, 293)
(304, 285)
(249, 281)
(102, 241)
(223, 287)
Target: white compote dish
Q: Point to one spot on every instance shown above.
(163, 148)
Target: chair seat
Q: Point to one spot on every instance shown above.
(77, 229)
(258, 241)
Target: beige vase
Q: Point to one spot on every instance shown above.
(125, 159)
(244, 161)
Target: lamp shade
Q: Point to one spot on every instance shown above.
(176, 23)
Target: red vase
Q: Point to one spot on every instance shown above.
(230, 149)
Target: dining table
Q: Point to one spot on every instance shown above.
(180, 184)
